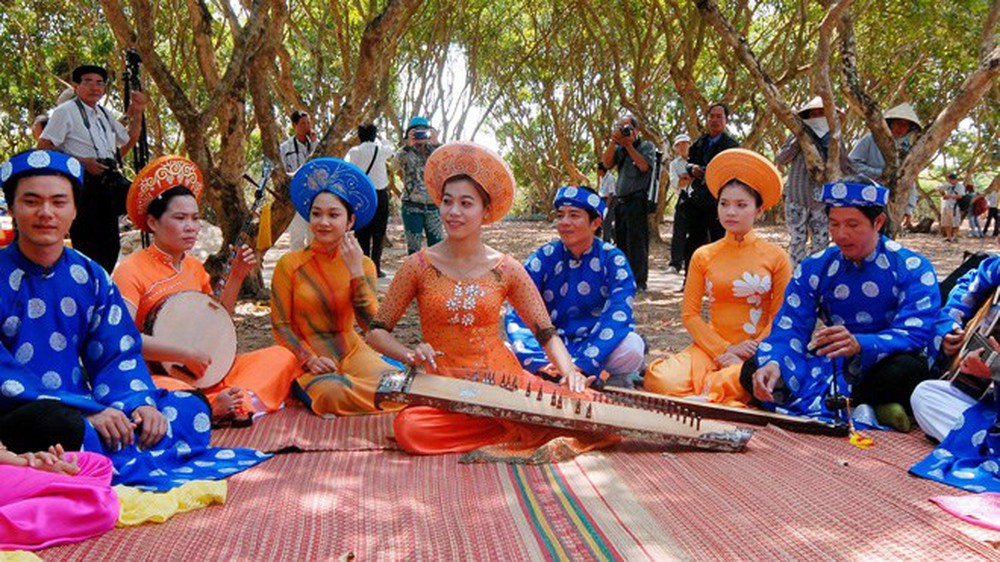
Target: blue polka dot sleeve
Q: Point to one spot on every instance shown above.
(616, 319)
(529, 353)
(913, 327)
(970, 292)
(112, 354)
(792, 328)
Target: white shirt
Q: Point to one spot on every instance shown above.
(991, 199)
(294, 153)
(361, 156)
(608, 183)
(678, 169)
(67, 131)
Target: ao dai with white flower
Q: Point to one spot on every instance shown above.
(743, 282)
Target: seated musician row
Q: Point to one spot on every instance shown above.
(877, 305)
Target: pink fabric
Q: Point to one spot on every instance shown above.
(40, 509)
(979, 509)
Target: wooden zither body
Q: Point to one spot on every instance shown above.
(503, 396)
(732, 414)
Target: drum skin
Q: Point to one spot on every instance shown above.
(196, 321)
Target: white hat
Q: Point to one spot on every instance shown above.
(683, 137)
(905, 112)
(815, 103)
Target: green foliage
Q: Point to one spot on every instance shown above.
(547, 79)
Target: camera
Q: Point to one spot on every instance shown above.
(112, 185)
(421, 134)
(626, 130)
(110, 163)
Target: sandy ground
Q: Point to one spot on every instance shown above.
(657, 311)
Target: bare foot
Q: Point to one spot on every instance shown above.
(226, 404)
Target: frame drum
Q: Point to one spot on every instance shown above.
(194, 320)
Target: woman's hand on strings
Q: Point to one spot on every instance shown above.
(423, 355)
(350, 252)
(577, 381)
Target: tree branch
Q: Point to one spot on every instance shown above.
(378, 46)
(972, 90)
(863, 104)
(778, 106)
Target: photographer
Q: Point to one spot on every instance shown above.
(85, 129)
(633, 157)
(294, 152)
(420, 215)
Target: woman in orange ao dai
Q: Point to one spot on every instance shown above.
(742, 276)
(320, 293)
(163, 201)
(460, 285)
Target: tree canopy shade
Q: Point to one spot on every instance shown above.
(546, 79)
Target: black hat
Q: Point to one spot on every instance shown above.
(79, 71)
(953, 176)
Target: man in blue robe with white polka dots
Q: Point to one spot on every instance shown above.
(963, 414)
(588, 287)
(858, 320)
(71, 370)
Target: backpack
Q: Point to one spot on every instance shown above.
(964, 202)
(979, 205)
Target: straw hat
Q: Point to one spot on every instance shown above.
(905, 112)
(748, 167)
(479, 163)
(815, 103)
(163, 173)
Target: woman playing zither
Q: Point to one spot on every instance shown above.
(318, 294)
(163, 201)
(460, 285)
(742, 276)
